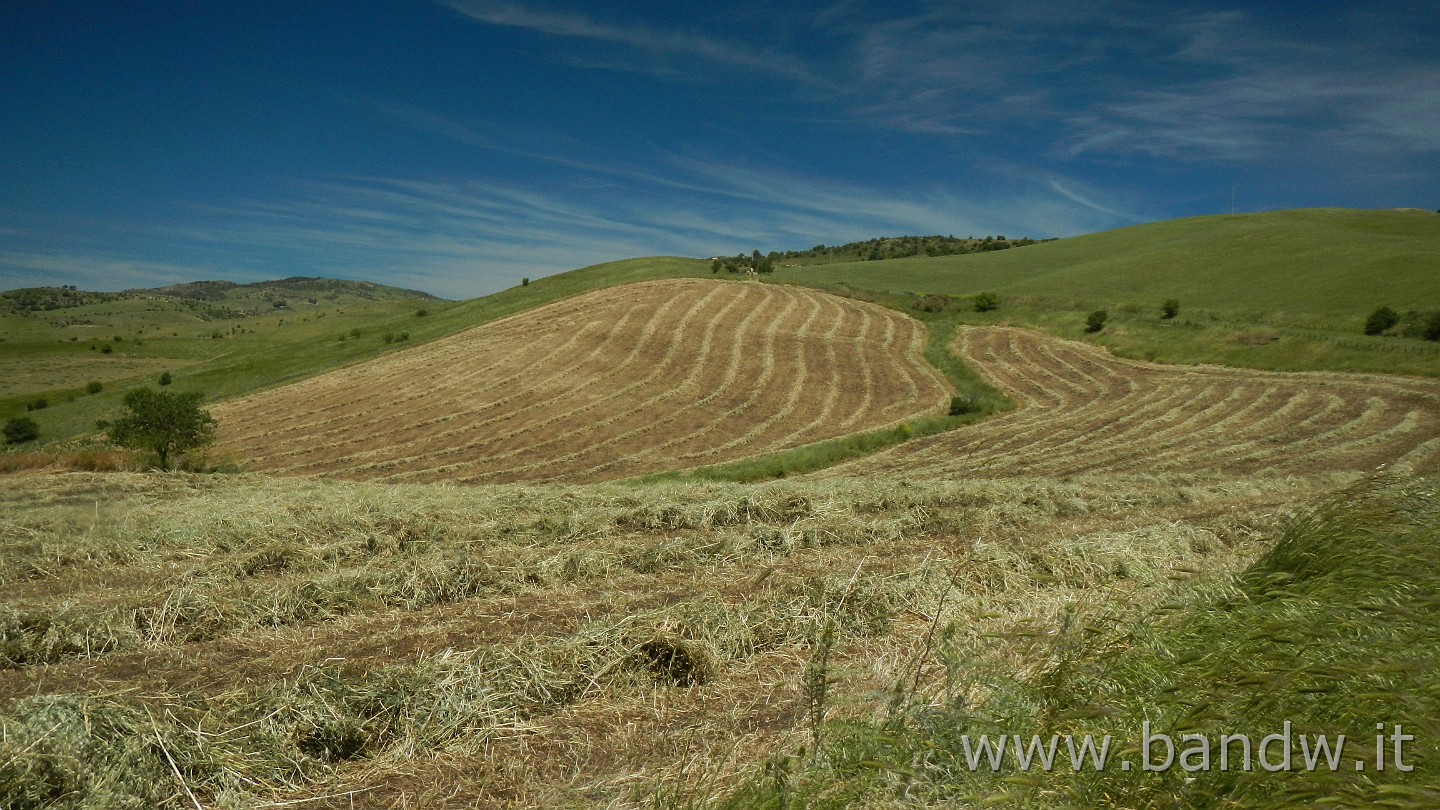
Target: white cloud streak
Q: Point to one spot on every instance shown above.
(662, 47)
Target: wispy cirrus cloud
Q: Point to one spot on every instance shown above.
(465, 237)
(93, 271)
(663, 48)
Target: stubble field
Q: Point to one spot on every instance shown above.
(1083, 410)
(624, 381)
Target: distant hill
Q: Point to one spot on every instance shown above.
(302, 287)
(218, 299)
(903, 247)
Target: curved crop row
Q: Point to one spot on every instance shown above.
(624, 381)
(1084, 410)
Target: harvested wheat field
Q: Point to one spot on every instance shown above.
(623, 381)
(1083, 410)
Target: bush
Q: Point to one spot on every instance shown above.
(524, 282)
(355, 333)
(94, 387)
(388, 337)
(932, 303)
(37, 404)
(21, 429)
(421, 312)
(1095, 321)
(165, 378)
(106, 349)
(986, 301)
(1170, 308)
(1381, 320)
(965, 403)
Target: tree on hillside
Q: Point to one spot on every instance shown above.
(1170, 308)
(1380, 320)
(165, 422)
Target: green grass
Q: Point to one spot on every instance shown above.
(1329, 267)
(1334, 629)
(1288, 290)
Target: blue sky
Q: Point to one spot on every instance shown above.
(456, 146)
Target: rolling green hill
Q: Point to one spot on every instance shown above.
(1286, 290)
(1323, 266)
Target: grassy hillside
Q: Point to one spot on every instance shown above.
(1322, 267)
(1287, 290)
(52, 355)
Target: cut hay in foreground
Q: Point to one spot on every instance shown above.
(625, 381)
(1084, 410)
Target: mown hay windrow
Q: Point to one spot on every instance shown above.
(123, 751)
(620, 382)
(264, 554)
(1086, 411)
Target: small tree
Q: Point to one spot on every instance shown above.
(165, 422)
(1380, 320)
(94, 387)
(1170, 308)
(165, 378)
(1096, 320)
(21, 429)
(986, 301)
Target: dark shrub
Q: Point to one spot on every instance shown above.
(94, 387)
(1095, 321)
(1170, 308)
(21, 429)
(965, 403)
(1381, 320)
(986, 301)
